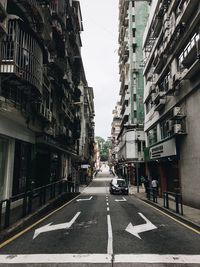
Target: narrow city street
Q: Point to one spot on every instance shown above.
(108, 230)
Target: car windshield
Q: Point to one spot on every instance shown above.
(121, 183)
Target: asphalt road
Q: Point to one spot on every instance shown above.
(99, 229)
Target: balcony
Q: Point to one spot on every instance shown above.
(193, 70)
(64, 110)
(21, 58)
(32, 9)
(190, 52)
(157, 26)
(186, 9)
(160, 104)
(157, 96)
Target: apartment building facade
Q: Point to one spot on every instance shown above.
(41, 71)
(171, 48)
(132, 21)
(115, 130)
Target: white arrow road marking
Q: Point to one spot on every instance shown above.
(120, 200)
(135, 230)
(49, 227)
(84, 199)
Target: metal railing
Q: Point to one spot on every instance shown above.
(175, 197)
(171, 200)
(19, 206)
(152, 194)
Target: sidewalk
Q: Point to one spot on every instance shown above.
(190, 215)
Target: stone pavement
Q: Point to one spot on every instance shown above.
(190, 215)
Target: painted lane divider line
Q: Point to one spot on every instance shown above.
(48, 227)
(121, 200)
(135, 230)
(110, 236)
(84, 199)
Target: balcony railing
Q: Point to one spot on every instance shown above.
(21, 56)
(32, 9)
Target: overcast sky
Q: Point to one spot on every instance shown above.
(100, 58)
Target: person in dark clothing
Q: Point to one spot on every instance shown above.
(69, 178)
(146, 183)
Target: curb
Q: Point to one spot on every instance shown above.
(172, 214)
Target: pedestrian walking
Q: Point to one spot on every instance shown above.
(69, 179)
(154, 185)
(146, 183)
(142, 180)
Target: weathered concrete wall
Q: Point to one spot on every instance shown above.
(190, 153)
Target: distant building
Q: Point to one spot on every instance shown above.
(171, 47)
(131, 139)
(115, 130)
(41, 73)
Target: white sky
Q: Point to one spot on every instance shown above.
(100, 58)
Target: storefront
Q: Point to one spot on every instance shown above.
(162, 164)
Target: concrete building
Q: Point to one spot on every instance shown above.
(41, 71)
(115, 130)
(132, 20)
(87, 143)
(171, 47)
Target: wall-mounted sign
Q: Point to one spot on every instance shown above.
(165, 149)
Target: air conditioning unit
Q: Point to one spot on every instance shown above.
(177, 111)
(177, 128)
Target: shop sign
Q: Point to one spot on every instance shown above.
(165, 149)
